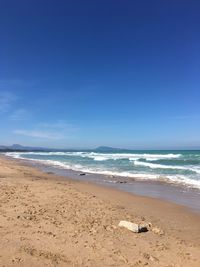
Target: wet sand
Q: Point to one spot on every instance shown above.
(172, 192)
(48, 220)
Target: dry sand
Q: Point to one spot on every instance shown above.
(47, 220)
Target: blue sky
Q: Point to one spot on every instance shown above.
(90, 73)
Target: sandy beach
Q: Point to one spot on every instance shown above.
(47, 220)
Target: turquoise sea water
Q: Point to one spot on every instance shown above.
(171, 166)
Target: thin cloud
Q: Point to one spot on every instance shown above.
(59, 125)
(20, 115)
(55, 131)
(6, 101)
(186, 117)
(39, 134)
(14, 83)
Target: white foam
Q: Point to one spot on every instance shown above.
(15, 155)
(78, 167)
(104, 156)
(181, 179)
(129, 156)
(161, 166)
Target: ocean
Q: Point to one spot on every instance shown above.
(178, 167)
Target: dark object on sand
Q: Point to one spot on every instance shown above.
(143, 228)
(82, 174)
(134, 227)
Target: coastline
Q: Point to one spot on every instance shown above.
(49, 220)
(177, 193)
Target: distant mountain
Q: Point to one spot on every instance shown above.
(18, 147)
(102, 149)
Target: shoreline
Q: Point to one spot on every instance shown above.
(181, 182)
(177, 193)
(48, 220)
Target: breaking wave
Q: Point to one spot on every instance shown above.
(183, 168)
(160, 166)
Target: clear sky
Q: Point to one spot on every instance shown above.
(89, 73)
